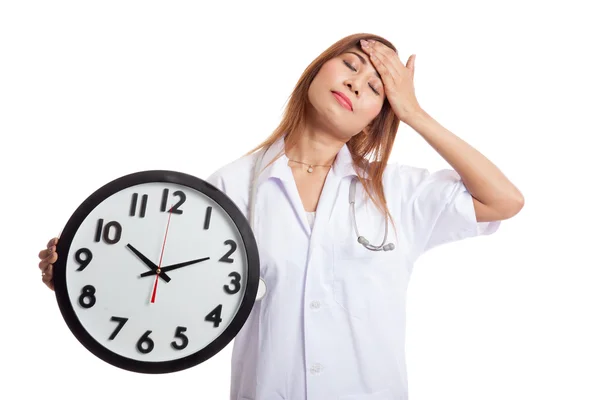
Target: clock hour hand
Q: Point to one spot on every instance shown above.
(148, 263)
(176, 266)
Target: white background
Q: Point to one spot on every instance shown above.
(90, 91)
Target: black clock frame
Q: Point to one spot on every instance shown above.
(73, 224)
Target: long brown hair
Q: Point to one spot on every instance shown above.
(376, 139)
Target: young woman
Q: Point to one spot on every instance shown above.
(331, 324)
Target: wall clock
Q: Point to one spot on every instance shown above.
(157, 271)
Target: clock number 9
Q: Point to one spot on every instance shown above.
(85, 261)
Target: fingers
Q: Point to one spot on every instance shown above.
(52, 242)
(47, 277)
(43, 254)
(48, 273)
(382, 60)
(385, 51)
(48, 257)
(382, 67)
(49, 253)
(410, 64)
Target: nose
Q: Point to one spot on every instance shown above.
(350, 87)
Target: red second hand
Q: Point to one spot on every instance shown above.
(161, 257)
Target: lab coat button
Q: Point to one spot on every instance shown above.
(315, 305)
(316, 369)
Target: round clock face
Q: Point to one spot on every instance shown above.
(157, 272)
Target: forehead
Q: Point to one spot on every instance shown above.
(363, 57)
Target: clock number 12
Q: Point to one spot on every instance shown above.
(165, 196)
(163, 203)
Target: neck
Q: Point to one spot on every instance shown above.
(316, 148)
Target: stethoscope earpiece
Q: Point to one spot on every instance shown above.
(385, 247)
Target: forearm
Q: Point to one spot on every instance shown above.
(482, 178)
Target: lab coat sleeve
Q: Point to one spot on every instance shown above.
(230, 180)
(441, 210)
(216, 179)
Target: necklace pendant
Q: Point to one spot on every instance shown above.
(310, 169)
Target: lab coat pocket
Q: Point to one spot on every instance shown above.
(359, 277)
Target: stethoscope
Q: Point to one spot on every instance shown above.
(352, 193)
(262, 287)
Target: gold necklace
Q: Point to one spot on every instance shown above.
(310, 166)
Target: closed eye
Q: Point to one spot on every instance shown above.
(354, 69)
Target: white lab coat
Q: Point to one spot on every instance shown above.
(332, 323)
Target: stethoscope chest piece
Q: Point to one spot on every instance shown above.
(262, 289)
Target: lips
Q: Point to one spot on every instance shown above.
(342, 98)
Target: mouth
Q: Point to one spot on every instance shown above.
(343, 100)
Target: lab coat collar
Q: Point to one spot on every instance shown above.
(280, 169)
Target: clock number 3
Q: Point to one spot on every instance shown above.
(235, 282)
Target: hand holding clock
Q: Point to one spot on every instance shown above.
(48, 257)
(94, 283)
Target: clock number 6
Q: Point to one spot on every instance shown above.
(149, 343)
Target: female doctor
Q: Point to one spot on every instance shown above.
(331, 322)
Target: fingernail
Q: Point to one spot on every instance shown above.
(364, 42)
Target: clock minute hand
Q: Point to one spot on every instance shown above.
(149, 263)
(176, 266)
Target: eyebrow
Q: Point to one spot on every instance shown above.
(364, 62)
